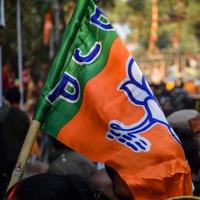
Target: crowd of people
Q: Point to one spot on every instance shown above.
(55, 171)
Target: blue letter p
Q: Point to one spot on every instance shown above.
(68, 89)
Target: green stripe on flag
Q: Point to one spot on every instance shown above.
(80, 33)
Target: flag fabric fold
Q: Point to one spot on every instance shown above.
(97, 101)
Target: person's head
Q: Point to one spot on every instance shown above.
(195, 127)
(12, 95)
(179, 83)
(180, 123)
(190, 148)
(120, 187)
(67, 161)
(180, 119)
(54, 187)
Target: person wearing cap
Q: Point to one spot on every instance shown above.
(181, 123)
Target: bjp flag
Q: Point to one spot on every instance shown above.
(97, 101)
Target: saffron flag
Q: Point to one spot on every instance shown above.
(96, 101)
(48, 25)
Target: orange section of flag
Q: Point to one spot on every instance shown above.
(146, 173)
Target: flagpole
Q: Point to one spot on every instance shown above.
(24, 153)
(19, 41)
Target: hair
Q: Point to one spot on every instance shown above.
(190, 148)
(112, 174)
(13, 95)
(54, 187)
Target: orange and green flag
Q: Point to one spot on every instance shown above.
(96, 101)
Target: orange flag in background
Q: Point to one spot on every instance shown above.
(48, 25)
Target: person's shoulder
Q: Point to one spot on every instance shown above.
(20, 113)
(4, 110)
